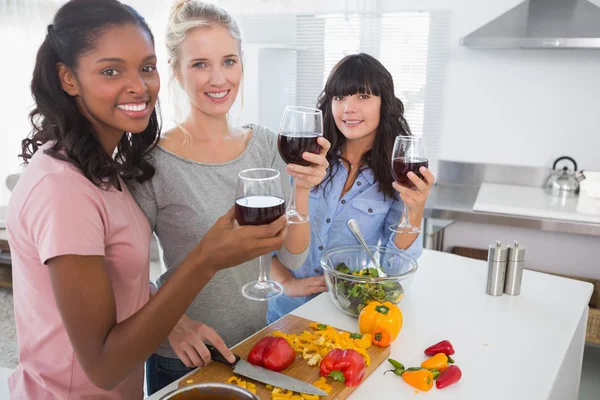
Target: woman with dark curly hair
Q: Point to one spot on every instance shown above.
(79, 242)
(361, 118)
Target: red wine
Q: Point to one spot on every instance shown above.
(258, 210)
(403, 167)
(293, 145)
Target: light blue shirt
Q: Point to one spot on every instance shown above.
(330, 214)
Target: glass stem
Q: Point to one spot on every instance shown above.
(404, 221)
(263, 270)
(291, 209)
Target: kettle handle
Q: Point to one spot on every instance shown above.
(564, 158)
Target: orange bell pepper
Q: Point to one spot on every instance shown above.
(382, 337)
(440, 362)
(376, 314)
(421, 379)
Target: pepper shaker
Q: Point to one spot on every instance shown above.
(497, 256)
(514, 269)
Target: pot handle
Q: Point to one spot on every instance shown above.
(564, 158)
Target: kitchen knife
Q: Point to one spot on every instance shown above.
(264, 375)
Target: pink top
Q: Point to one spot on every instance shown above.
(54, 210)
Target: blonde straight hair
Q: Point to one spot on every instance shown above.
(187, 15)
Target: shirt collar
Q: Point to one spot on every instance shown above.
(368, 174)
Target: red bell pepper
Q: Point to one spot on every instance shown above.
(442, 347)
(451, 375)
(273, 353)
(346, 366)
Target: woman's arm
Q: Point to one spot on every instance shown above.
(293, 286)
(109, 350)
(65, 220)
(298, 238)
(416, 199)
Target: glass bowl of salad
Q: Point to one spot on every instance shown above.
(354, 281)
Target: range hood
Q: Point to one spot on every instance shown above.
(541, 24)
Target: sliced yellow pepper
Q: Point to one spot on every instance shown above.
(309, 396)
(282, 392)
(323, 340)
(252, 387)
(234, 380)
(296, 397)
(365, 342)
(322, 384)
(364, 353)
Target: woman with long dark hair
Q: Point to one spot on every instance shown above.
(79, 242)
(362, 117)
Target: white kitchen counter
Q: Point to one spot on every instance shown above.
(535, 202)
(527, 347)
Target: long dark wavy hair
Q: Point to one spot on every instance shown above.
(363, 74)
(56, 117)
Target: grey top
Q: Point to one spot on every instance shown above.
(182, 202)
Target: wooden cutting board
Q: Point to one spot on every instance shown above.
(218, 372)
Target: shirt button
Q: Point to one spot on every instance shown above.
(320, 247)
(343, 201)
(328, 220)
(370, 210)
(358, 183)
(317, 270)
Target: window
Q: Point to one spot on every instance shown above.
(411, 45)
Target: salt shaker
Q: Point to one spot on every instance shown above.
(514, 269)
(497, 256)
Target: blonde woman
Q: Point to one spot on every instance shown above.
(197, 165)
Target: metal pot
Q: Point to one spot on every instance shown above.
(210, 391)
(565, 182)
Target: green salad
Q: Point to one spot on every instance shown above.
(355, 296)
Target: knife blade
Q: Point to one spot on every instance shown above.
(266, 376)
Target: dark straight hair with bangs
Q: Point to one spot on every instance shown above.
(364, 74)
(56, 117)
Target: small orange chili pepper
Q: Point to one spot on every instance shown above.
(421, 379)
(382, 337)
(440, 362)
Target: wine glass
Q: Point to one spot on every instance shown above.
(260, 201)
(408, 155)
(298, 132)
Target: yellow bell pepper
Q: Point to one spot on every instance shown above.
(376, 314)
(296, 397)
(309, 396)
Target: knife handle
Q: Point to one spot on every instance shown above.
(217, 356)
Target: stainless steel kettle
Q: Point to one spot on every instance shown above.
(564, 182)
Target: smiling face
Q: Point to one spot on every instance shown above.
(116, 84)
(356, 116)
(210, 69)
